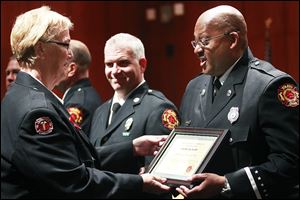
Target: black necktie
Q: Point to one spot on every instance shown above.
(115, 108)
(216, 85)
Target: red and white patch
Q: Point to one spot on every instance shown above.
(43, 125)
(169, 119)
(288, 95)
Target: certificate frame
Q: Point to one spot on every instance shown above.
(186, 151)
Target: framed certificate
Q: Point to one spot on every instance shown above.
(185, 152)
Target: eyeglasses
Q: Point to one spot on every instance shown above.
(203, 42)
(63, 44)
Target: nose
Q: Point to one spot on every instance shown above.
(10, 76)
(115, 69)
(198, 48)
(199, 51)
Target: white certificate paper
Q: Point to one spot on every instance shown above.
(184, 155)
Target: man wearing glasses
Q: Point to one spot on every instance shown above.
(257, 103)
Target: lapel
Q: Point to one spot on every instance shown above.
(228, 91)
(126, 109)
(205, 97)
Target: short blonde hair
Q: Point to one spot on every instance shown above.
(32, 26)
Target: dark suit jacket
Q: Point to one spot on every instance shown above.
(82, 100)
(260, 106)
(43, 155)
(142, 114)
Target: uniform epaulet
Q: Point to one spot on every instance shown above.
(156, 93)
(266, 67)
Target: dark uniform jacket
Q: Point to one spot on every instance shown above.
(81, 101)
(145, 112)
(260, 106)
(43, 155)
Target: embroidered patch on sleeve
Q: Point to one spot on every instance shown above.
(43, 125)
(75, 115)
(288, 95)
(169, 119)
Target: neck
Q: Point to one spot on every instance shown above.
(39, 76)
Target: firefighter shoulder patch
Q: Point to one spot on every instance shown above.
(169, 119)
(288, 95)
(43, 125)
(75, 115)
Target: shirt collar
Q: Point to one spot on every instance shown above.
(223, 78)
(122, 100)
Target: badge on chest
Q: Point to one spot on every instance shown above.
(127, 126)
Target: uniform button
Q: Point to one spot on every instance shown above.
(135, 100)
(228, 93)
(150, 90)
(230, 139)
(259, 178)
(256, 63)
(79, 89)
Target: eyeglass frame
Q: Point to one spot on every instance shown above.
(63, 44)
(205, 41)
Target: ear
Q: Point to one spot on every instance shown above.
(39, 49)
(234, 39)
(143, 64)
(72, 69)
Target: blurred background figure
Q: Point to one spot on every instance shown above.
(11, 71)
(80, 97)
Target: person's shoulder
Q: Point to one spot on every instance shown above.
(198, 80)
(156, 94)
(266, 74)
(264, 67)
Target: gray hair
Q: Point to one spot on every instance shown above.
(34, 25)
(127, 41)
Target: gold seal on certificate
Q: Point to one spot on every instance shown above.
(186, 151)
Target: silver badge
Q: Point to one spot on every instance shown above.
(128, 123)
(233, 114)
